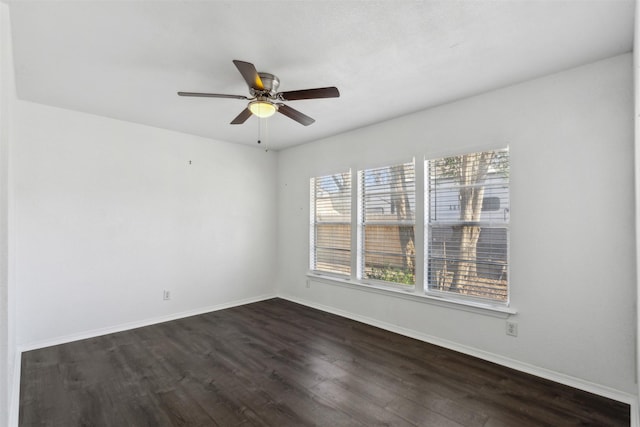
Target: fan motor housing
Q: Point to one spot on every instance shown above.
(270, 82)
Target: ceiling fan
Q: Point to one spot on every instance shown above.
(264, 100)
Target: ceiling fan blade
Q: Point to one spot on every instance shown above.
(322, 92)
(295, 115)
(242, 117)
(211, 95)
(250, 74)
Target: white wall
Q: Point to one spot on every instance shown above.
(7, 336)
(636, 81)
(572, 220)
(108, 214)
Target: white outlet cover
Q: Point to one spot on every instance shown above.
(512, 329)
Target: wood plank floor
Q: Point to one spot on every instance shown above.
(276, 363)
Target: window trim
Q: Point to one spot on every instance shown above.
(313, 225)
(500, 311)
(419, 292)
(426, 224)
(360, 224)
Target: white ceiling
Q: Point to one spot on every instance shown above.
(127, 59)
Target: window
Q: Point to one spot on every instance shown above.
(463, 253)
(467, 225)
(330, 232)
(387, 224)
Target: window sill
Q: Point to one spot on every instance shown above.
(410, 294)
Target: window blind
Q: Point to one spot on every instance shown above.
(387, 221)
(330, 233)
(467, 231)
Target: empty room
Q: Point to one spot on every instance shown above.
(331, 213)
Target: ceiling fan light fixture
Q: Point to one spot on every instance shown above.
(262, 109)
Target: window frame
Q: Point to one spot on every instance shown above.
(497, 225)
(314, 223)
(361, 251)
(419, 292)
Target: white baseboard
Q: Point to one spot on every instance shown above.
(138, 324)
(578, 383)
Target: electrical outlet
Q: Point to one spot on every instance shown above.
(512, 329)
(166, 295)
(308, 283)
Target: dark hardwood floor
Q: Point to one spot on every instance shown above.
(277, 363)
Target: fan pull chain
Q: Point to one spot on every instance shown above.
(259, 130)
(266, 133)
(263, 135)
